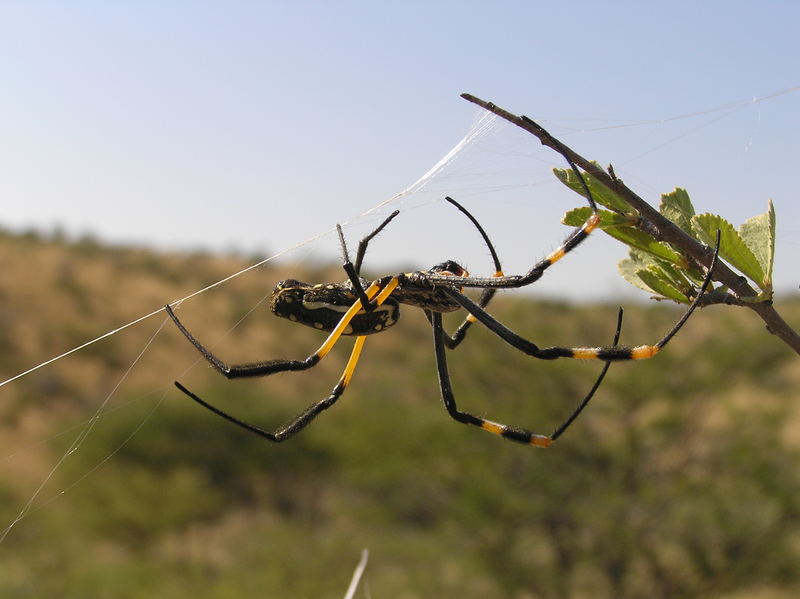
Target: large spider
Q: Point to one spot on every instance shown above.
(358, 307)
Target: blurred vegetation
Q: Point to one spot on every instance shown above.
(680, 480)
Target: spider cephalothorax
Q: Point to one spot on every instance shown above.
(360, 308)
(413, 291)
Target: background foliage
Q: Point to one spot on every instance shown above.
(680, 480)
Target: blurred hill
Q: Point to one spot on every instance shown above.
(680, 480)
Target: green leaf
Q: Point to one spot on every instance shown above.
(601, 194)
(641, 240)
(676, 276)
(617, 226)
(681, 276)
(732, 246)
(656, 280)
(758, 233)
(641, 271)
(677, 207)
(577, 216)
(629, 269)
(654, 275)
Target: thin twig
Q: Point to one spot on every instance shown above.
(659, 227)
(357, 574)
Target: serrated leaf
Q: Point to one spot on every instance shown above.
(644, 259)
(676, 276)
(731, 248)
(677, 207)
(758, 233)
(615, 225)
(601, 194)
(577, 216)
(664, 279)
(681, 276)
(656, 281)
(629, 269)
(641, 240)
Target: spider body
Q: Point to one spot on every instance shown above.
(414, 288)
(322, 306)
(360, 308)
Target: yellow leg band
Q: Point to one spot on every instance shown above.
(348, 316)
(492, 427)
(351, 363)
(541, 441)
(387, 291)
(592, 223)
(644, 351)
(556, 256)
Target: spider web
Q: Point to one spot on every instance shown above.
(483, 123)
(462, 172)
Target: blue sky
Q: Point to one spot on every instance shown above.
(260, 125)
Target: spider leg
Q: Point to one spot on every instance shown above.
(452, 341)
(512, 433)
(533, 275)
(362, 245)
(609, 353)
(571, 418)
(380, 290)
(354, 271)
(300, 421)
(500, 281)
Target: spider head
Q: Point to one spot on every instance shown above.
(323, 306)
(450, 268)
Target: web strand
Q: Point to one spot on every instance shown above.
(80, 438)
(483, 124)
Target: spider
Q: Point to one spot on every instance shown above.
(359, 308)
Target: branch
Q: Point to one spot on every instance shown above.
(658, 226)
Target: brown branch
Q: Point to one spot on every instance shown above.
(659, 227)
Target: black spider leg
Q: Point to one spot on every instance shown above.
(513, 281)
(536, 272)
(512, 433)
(572, 417)
(386, 287)
(253, 369)
(362, 245)
(380, 289)
(348, 267)
(300, 421)
(452, 341)
(352, 271)
(268, 367)
(614, 353)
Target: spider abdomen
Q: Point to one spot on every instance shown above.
(323, 306)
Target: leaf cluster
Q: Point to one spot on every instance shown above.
(662, 269)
